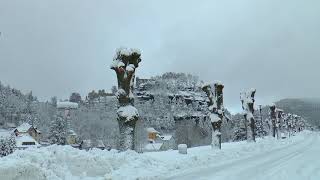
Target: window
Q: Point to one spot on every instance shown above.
(28, 143)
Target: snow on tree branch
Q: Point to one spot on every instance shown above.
(247, 100)
(215, 105)
(128, 112)
(125, 63)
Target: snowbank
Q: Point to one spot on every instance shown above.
(64, 162)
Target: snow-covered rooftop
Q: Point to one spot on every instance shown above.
(152, 130)
(166, 137)
(67, 105)
(71, 132)
(24, 127)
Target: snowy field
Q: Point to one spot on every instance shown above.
(296, 158)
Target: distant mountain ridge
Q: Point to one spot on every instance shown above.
(309, 108)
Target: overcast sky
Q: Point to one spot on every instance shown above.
(55, 47)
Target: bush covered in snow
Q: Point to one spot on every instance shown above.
(7, 145)
(58, 131)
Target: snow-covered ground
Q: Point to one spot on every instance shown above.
(294, 158)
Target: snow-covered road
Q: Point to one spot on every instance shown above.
(295, 158)
(297, 161)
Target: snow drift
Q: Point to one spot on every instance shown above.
(64, 162)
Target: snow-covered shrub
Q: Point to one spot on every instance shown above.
(7, 145)
(58, 131)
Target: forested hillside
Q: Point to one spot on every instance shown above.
(172, 103)
(305, 107)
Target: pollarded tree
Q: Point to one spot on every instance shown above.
(215, 95)
(273, 118)
(289, 123)
(247, 100)
(124, 64)
(279, 114)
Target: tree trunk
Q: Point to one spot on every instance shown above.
(127, 134)
(216, 135)
(273, 118)
(215, 95)
(125, 64)
(247, 100)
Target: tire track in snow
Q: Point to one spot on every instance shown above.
(245, 167)
(269, 168)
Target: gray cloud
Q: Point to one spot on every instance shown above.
(56, 47)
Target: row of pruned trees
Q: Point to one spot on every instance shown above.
(281, 123)
(125, 64)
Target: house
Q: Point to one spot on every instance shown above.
(168, 142)
(153, 147)
(22, 129)
(72, 137)
(152, 134)
(25, 141)
(158, 142)
(161, 143)
(27, 129)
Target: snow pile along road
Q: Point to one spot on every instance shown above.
(64, 162)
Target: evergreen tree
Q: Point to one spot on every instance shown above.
(7, 145)
(54, 101)
(75, 97)
(58, 131)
